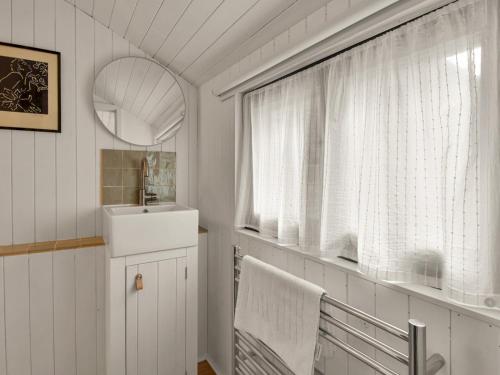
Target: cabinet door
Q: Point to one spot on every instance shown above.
(156, 318)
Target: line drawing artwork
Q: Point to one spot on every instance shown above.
(23, 85)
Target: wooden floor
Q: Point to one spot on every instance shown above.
(205, 369)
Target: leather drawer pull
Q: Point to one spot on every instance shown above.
(138, 282)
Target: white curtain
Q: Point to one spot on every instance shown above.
(389, 154)
(280, 161)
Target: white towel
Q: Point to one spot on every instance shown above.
(281, 310)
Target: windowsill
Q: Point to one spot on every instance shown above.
(429, 294)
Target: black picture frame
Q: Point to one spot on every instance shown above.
(28, 121)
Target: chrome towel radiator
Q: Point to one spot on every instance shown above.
(251, 356)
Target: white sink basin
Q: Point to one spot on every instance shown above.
(132, 230)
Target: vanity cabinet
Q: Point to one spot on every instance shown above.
(151, 326)
(151, 290)
(156, 317)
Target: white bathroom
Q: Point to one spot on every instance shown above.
(248, 187)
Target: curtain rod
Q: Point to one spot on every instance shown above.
(344, 50)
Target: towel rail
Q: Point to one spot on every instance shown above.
(255, 350)
(243, 366)
(416, 360)
(374, 364)
(389, 328)
(390, 351)
(250, 359)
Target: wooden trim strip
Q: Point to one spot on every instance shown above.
(40, 247)
(73, 243)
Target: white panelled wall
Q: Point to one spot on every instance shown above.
(52, 312)
(50, 182)
(470, 345)
(51, 304)
(216, 205)
(217, 165)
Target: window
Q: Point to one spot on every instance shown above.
(386, 153)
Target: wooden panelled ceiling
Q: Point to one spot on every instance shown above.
(198, 38)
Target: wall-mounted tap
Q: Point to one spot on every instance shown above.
(145, 198)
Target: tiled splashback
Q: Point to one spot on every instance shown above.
(121, 176)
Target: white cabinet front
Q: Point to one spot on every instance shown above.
(156, 318)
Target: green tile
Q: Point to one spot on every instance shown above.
(133, 159)
(112, 195)
(154, 177)
(171, 177)
(112, 177)
(131, 178)
(167, 194)
(167, 160)
(153, 189)
(153, 159)
(121, 177)
(112, 158)
(153, 172)
(167, 177)
(130, 195)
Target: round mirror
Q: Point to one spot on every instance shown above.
(139, 101)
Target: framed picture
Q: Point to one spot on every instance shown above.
(30, 89)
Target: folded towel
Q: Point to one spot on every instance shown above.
(281, 310)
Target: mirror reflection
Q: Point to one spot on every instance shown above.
(139, 101)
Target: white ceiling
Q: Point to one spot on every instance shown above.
(198, 38)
